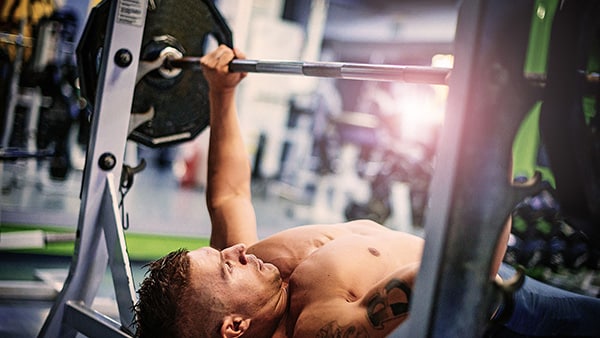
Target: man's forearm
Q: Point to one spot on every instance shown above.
(228, 195)
(228, 164)
(228, 183)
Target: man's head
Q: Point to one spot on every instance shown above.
(210, 293)
(158, 310)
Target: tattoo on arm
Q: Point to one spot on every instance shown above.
(390, 303)
(335, 330)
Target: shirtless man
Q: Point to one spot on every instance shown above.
(340, 280)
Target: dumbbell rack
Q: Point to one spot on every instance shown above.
(100, 240)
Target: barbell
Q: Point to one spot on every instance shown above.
(338, 70)
(170, 101)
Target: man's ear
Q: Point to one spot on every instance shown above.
(234, 326)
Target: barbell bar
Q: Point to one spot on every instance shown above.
(338, 70)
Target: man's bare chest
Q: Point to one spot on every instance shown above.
(345, 268)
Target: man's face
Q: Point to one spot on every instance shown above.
(245, 281)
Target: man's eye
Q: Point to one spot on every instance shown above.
(229, 266)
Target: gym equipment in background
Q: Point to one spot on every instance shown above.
(471, 193)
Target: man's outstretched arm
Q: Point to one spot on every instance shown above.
(228, 194)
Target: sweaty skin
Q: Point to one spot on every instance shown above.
(352, 279)
(332, 271)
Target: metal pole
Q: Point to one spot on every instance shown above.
(95, 242)
(472, 192)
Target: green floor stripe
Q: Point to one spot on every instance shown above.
(139, 246)
(149, 247)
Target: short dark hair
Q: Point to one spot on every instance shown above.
(160, 296)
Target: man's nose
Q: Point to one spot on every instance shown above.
(236, 253)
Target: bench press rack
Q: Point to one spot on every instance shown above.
(100, 240)
(471, 192)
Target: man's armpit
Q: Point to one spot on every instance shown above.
(390, 302)
(335, 330)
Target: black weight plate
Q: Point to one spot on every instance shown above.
(181, 103)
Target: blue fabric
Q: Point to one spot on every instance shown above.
(545, 310)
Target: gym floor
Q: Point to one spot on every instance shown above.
(162, 215)
(156, 205)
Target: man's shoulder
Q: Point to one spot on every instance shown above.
(287, 249)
